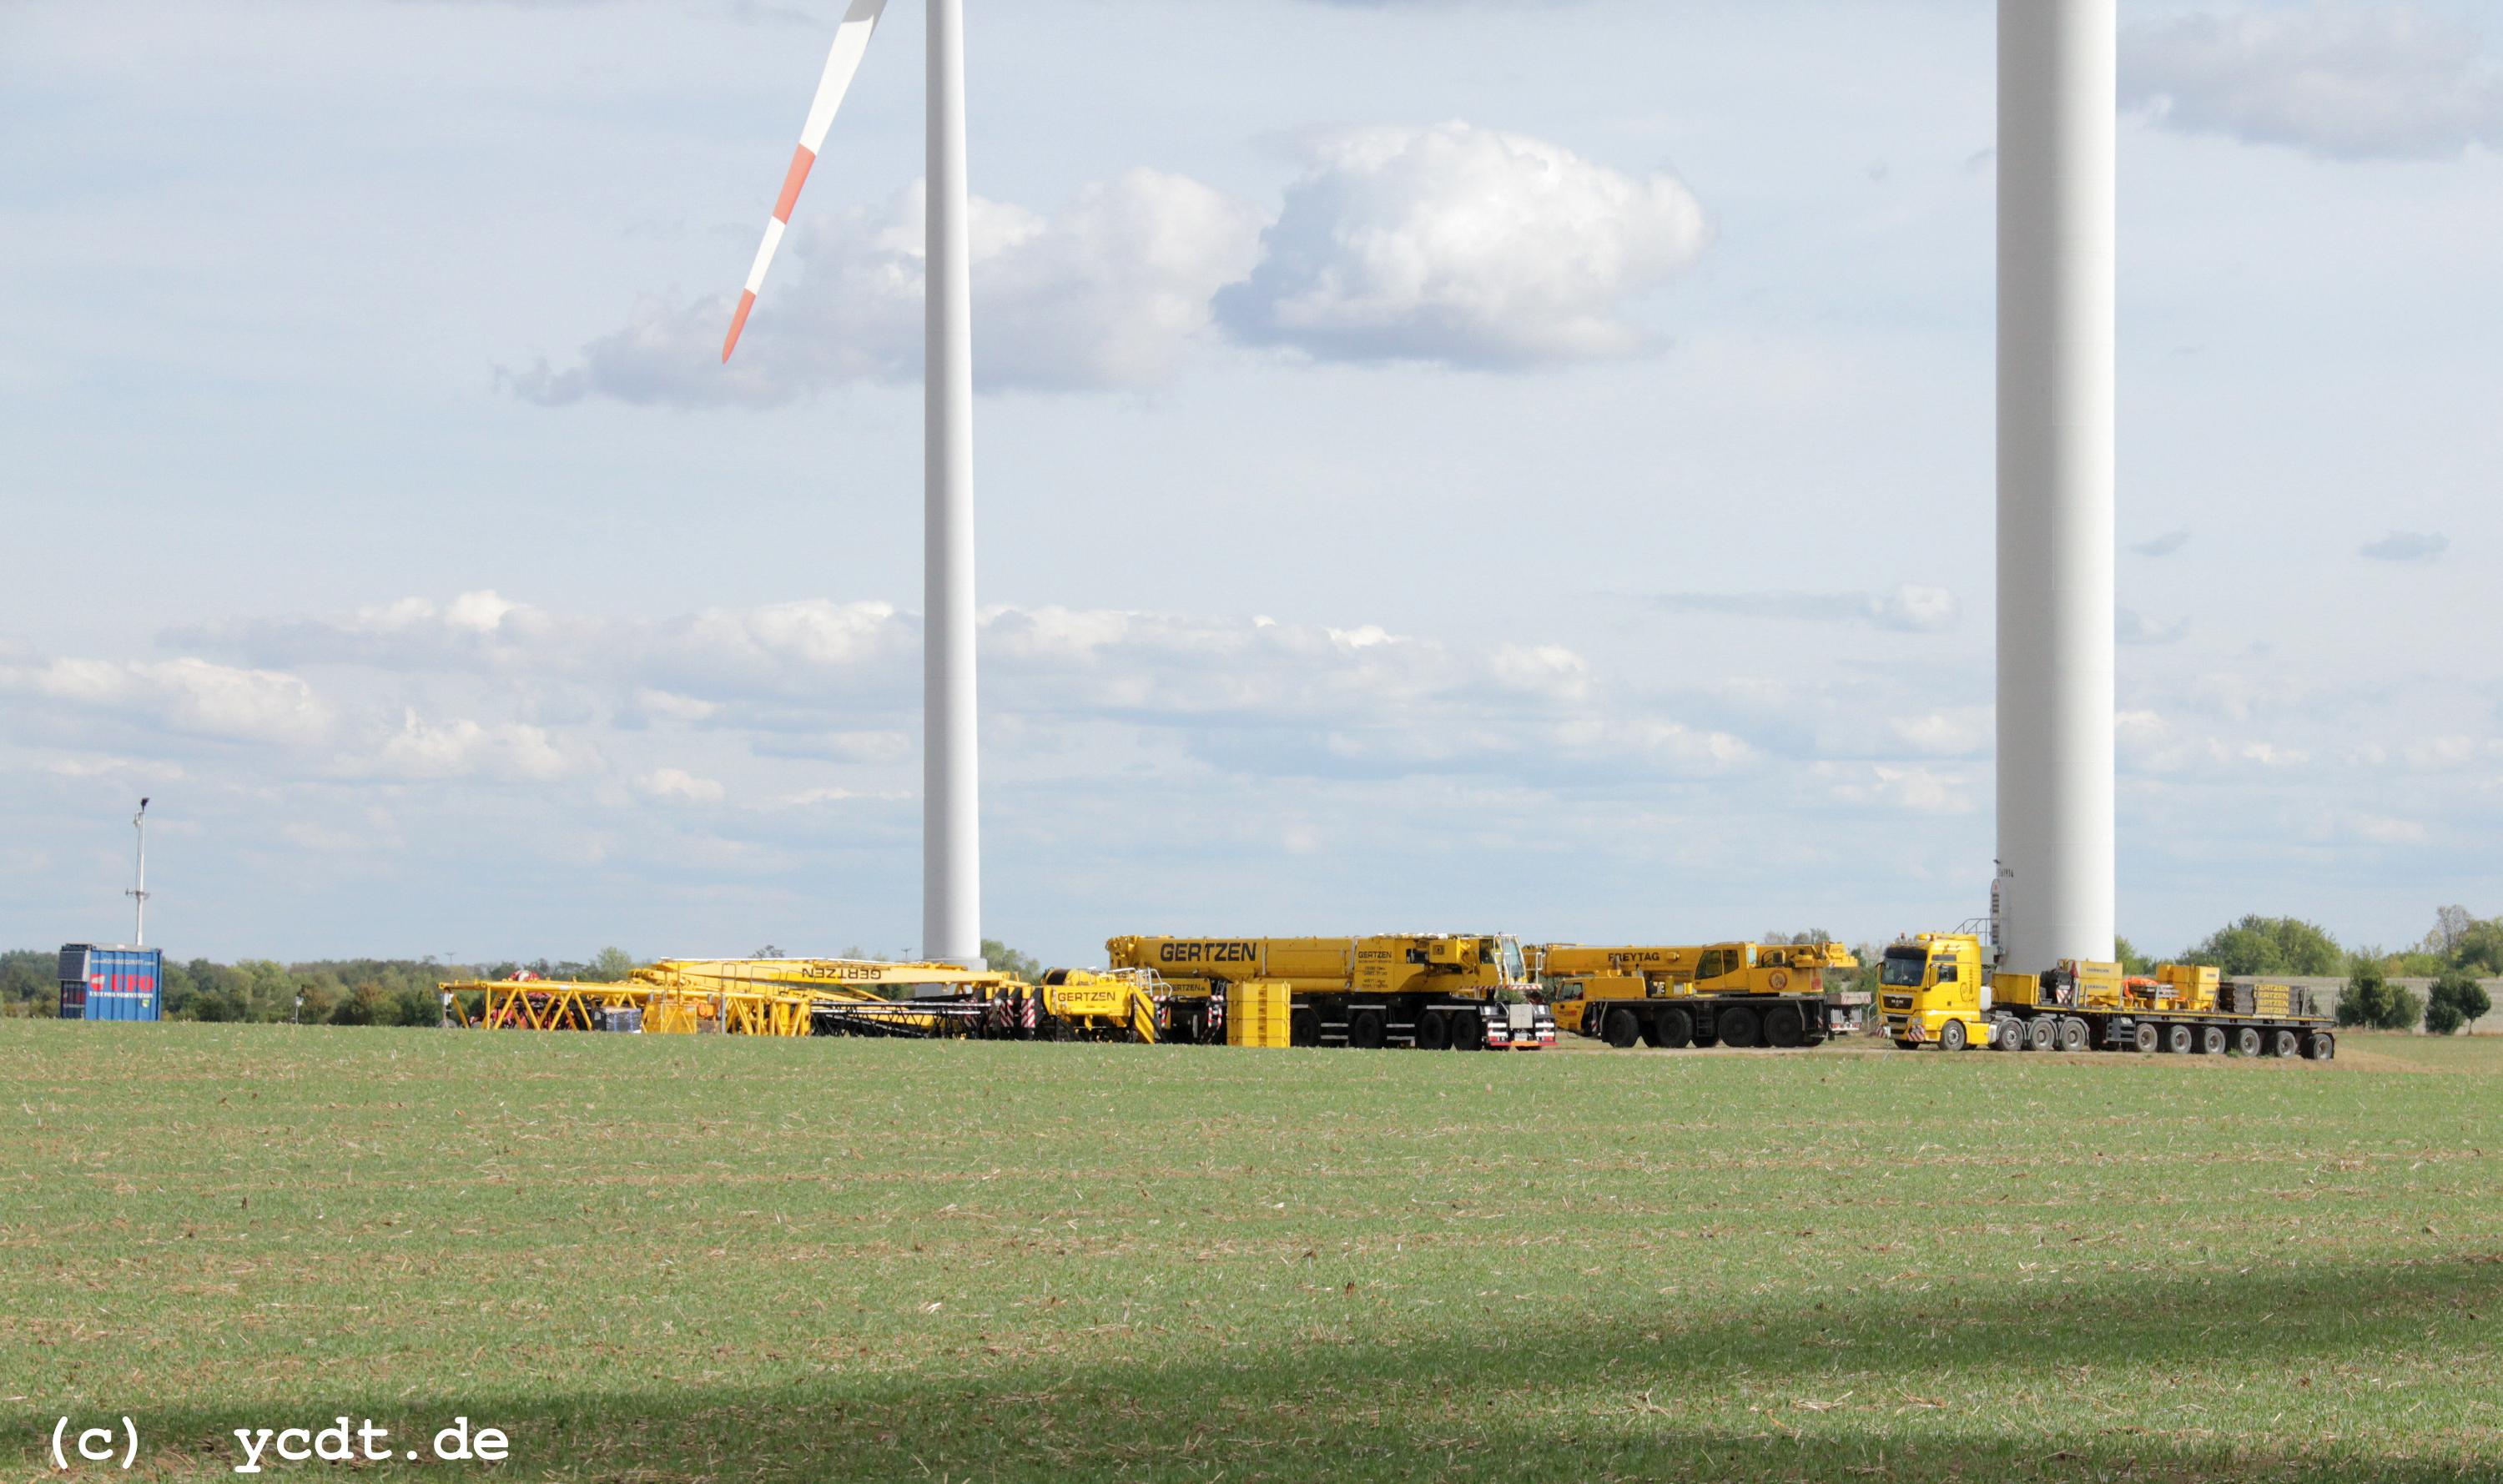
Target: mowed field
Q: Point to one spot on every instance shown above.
(651, 1259)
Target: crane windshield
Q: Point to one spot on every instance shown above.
(1904, 968)
(1515, 971)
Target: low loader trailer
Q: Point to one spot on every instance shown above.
(1431, 992)
(1738, 994)
(1940, 988)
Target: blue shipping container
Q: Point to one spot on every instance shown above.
(101, 983)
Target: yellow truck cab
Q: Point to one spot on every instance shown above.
(1935, 990)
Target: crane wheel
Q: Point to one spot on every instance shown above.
(2041, 1034)
(1737, 1027)
(2073, 1036)
(1433, 1031)
(2323, 1047)
(1951, 1036)
(2145, 1038)
(2212, 1040)
(1468, 1031)
(2177, 1040)
(1783, 1026)
(2010, 1036)
(1623, 1029)
(2289, 1043)
(1673, 1030)
(2247, 1041)
(1364, 1030)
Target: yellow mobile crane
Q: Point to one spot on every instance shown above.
(1430, 991)
(1728, 994)
(1944, 989)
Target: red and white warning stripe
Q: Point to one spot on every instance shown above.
(851, 43)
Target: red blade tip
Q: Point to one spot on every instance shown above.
(738, 322)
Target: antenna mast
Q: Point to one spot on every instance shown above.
(138, 894)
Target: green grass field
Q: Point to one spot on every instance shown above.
(651, 1259)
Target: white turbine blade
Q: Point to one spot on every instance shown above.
(842, 64)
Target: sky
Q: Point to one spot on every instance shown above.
(1469, 465)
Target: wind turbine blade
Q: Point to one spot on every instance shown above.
(842, 64)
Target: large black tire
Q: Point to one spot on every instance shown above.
(1784, 1027)
(1623, 1029)
(2145, 1038)
(2247, 1041)
(1951, 1036)
(1433, 1031)
(1737, 1027)
(2212, 1040)
(1673, 1030)
(2321, 1046)
(1365, 1029)
(1468, 1030)
(2073, 1036)
(2041, 1034)
(2008, 1035)
(2288, 1044)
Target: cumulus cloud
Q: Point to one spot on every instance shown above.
(1105, 293)
(1463, 246)
(506, 752)
(677, 786)
(2130, 626)
(2337, 78)
(2407, 546)
(185, 696)
(1903, 609)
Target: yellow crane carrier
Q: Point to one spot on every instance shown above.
(1943, 989)
(1727, 993)
(833, 996)
(1431, 991)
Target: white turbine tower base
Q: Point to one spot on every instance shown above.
(951, 848)
(2058, 262)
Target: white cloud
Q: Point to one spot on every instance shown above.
(677, 786)
(1463, 246)
(1903, 609)
(512, 752)
(180, 696)
(2336, 78)
(2408, 546)
(2134, 627)
(1105, 293)
(1909, 788)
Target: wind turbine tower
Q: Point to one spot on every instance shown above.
(2058, 264)
(952, 845)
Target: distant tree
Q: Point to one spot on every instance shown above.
(1813, 935)
(364, 1005)
(2372, 1002)
(769, 950)
(2480, 948)
(1009, 961)
(608, 967)
(2132, 963)
(2458, 1002)
(2449, 926)
(2271, 945)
